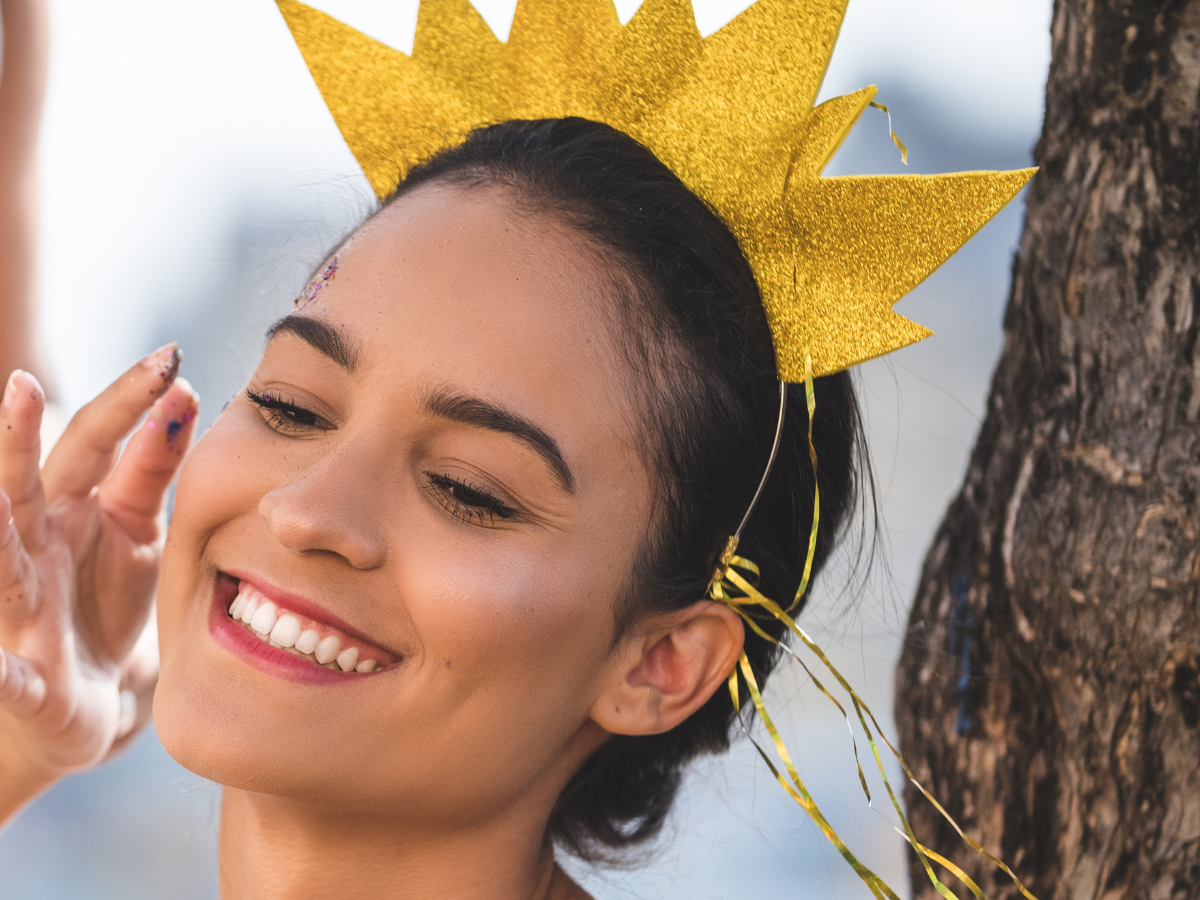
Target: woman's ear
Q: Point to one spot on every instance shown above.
(663, 672)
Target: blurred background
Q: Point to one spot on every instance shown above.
(192, 177)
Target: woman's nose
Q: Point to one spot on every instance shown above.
(330, 507)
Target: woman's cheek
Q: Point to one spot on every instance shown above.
(219, 481)
(228, 472)
(504, 610)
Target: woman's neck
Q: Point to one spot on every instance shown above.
(276, 849)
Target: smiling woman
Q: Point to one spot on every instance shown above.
(447, 586)
(475, 529)
(473, 501)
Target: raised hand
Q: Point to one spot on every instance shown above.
(80, 541)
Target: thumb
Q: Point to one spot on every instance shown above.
(22, 688)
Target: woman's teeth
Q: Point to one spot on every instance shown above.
(307, 642)
(287, 631)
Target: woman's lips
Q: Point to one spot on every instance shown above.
(284, 638)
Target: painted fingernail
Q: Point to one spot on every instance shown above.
(165, 361)
(172, 415)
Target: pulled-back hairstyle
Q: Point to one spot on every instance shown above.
(686, 312)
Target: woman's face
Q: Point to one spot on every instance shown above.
(433, 467)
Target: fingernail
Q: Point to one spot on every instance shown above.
(9, 386)
(187, 386)
(165, 360)
(171, 415)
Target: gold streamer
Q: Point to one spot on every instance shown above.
(892, 133)
(797, 789)
(810, 396)
(726, 579)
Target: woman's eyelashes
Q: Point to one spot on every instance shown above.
(468, 503)
(285, 416)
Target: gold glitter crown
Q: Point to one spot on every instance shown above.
(732, 115)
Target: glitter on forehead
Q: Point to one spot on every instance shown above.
(317, 283)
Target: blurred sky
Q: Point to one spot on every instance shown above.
(191, 176)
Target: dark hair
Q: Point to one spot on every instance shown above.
(690, 320)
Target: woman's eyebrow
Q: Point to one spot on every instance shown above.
(321, 336)
(456, 407)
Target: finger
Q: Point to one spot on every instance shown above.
(20, 455)
(22, 689)
(88, 449)
(139, 678)
(18, 583)
(136, 490)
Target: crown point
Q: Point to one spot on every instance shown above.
(731, 115)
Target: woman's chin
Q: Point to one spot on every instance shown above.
(239, 712)
(206, 734)
(217, 729)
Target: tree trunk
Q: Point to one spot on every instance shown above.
(1048, 690)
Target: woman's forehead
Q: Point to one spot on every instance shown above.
(450, 286)
(446, 249)
(462, 273)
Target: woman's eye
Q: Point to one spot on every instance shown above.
(286, 417)
(467, 502)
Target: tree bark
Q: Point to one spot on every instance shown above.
(1048, 690)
